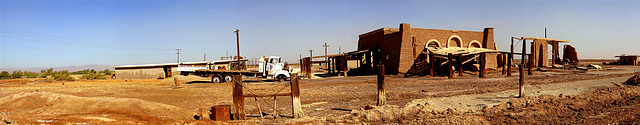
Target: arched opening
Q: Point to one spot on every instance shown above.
(433, 43)
(454, 41)
(475, 44)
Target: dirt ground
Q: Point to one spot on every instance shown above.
(555, 96)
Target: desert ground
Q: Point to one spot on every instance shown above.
(556, 96)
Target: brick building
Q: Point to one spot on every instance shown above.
(402, 48)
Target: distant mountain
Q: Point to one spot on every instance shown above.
(70, 68)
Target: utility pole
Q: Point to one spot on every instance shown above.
(545, 32)
(310, 55)
(178, 55)
(326, 59)
(339, 50)
(205, 57)
(238, 46)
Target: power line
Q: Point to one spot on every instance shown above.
(71, 51)
(72, 41)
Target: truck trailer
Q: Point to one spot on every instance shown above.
(269, 68)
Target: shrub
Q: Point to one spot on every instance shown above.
(5, 75)
(107, 72)
(16, 74)
(92, 76)
(61, 76)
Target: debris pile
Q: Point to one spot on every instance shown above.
(419, 114)
(635, 80)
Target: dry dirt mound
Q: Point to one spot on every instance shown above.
(52, 108)
(418, 114)
(607, 106)
(635, 80)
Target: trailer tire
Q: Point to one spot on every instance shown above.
(216, 79)
(228, 78)
(281, 78)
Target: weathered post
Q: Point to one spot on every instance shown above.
(460, 65)
(175, 80)
(345, 66)
(509, 59)
(431, 61)
(450, 66)
(308, 65)
(482, 65)
(504, 62)
(521, 82)
(530, 72)
(382, 98)
(238, 99)
(295, 96)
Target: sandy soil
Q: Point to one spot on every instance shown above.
(465, 99)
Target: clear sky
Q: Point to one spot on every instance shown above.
(53, 33)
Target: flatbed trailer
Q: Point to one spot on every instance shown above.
(270, 68)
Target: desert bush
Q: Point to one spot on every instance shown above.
(107, 72)
(30, 74)
(5, 75)
(92, 76)
(16, 74)
(61, 76)
(86, 71)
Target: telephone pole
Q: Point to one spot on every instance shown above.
(205, 57)
(326, 59)
(238, 46)
(178, 55)
(310, 55)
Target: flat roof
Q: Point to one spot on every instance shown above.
(176, 64)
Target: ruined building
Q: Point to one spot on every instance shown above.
(400, 49)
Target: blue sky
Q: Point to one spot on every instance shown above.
(43, 33)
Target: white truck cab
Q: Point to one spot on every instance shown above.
(273, 68)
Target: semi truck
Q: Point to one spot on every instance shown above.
(269, 68)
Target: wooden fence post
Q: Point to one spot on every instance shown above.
(295, 96)
(504, 62)
(521, 82)
(382, 98)
(431, 62)
(450, 66)
(529, 64)
(238, 99)
(460, 65)
(346, 66)
(483, 65)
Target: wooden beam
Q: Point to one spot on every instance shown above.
(238, 100)
(266, 95)
(521, 82)
(295, 96)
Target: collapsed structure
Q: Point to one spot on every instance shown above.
(404, 50)
(628, 59)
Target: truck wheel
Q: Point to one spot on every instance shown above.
(228, 78)
(281, 78)
(216, 79)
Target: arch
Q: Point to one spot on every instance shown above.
(474, 43)
(456, 39)
(437, 43)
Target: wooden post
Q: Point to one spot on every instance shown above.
(450, 65)
(431, 62)
(460, 65)
(510, 58)
(238, 99)
(529, 64)
(295, 96)
(482, 65)
(504, 62)
(259, 109)
(345, 66)
(175, 80)
(308, 65)
(521, 82)
(382, 98)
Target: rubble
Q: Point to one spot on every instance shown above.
(635, 80)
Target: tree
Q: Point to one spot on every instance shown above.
(16, 74)
(49, 71)
(5, 75)
(107, 72)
